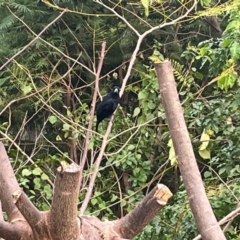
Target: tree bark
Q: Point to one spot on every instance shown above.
(201, 208)
(63, 213)
(62, 221)
(145, 211)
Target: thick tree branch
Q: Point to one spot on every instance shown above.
(32, 215)
(8, 185)
(201, 208)
(63, 213)
(130, 225)
(10, 231)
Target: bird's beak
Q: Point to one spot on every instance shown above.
(115, 90)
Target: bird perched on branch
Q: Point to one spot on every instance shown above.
(108, 105)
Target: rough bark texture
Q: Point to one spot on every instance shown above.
(64, 204)
(62, 222)
(202, 211)
(145, 211)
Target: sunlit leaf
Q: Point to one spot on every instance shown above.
(52, 119)
(205, 141)
(37, 171)
(145, 4)
(26, 89)
(172, 156)
(142, 95)
(136, 111)
(205, 154)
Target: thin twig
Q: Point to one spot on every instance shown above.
(50, 45)
(119, 16)
(32, 41)
(130, 66)
(89, 131)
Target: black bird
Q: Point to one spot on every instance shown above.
(108, 105)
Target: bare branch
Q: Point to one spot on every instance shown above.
(84, 158)
(131, 63)
(119, 16)
(32, 41)
(142, 36)
(49, 44)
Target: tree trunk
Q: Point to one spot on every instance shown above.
(201, 208)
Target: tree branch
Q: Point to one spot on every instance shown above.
(49, 44)
(201, 208)
(84, 158)
(63, 213)
(119, 16)
(130, 225)
(226, 219)
(32, 215)
(32, 41)
(133, 58)
(8, 185)
(10, 231)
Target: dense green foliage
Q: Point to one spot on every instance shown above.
(45, 99)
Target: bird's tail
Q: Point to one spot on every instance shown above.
(97, 126)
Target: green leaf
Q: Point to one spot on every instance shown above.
(102, 205)
(142, 95)
(226, 43)
(233, 25)
(205, 2)
(226, 81)
(123, 203)
(205, 154)
(44, 176)
(66, 126)
(114, 198)
(26, 172)
(203, 50)
(52, 119)
(172, 155)
(94, 201)
(221, 170)
(136, 171)
(26, 89)
(151, 105)
(90, 145)
(207, 174)
(58, 138)
(136, 111)
(37, 183)
(205, 140)
(131, 147)
(235, 51)
(37, 171)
